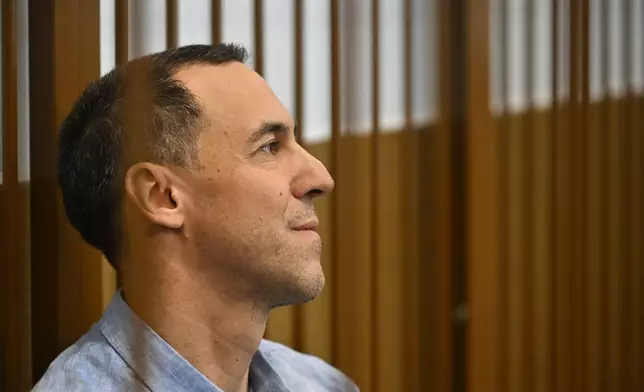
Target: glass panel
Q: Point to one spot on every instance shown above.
(108, 35)
(317, 72)
(238, 24)
(147, 27)
(279, 50)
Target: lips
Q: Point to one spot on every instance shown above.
(310, 225)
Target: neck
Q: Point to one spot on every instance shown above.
(217, 333)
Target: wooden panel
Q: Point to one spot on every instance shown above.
(527, 175)
(122, 31)
(298, 42)
(315, 322)
(15, 327)
(625, 203)
(389, 251)
(353, 265)
(596, 234)
(317, 316)
(580, 200)
(636, 356)
(436, 237)
(482, 206)
(79, 264)
(395, 273)
(502, 124)
(563, 271)
(282, 321)
(281, 326)
(378, 265)
(434, 258)
(334, 158)
(258, 52)
(541, 269)
(62, 264)
(408, 176)
(172, 23)
(562, 357)
(215, 21)
(615, 254)
(298, 32)
(640, 237)
(603, 110)
(517, 267)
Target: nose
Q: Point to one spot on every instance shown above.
(313, 179)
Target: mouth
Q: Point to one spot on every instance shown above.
(311, 225)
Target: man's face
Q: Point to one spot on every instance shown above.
(250, 211)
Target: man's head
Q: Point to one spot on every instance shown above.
(188, 152)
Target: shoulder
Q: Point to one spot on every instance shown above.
(90, 364)
(298, 369)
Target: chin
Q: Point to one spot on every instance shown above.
(304, 287)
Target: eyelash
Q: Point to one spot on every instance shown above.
(269, 146)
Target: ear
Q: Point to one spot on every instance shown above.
(150, 188)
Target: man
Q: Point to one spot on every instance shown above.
(183, 169)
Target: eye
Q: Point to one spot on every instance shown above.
(272, 147)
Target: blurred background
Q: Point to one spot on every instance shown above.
(486, 232)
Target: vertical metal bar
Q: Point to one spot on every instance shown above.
(299, 64)
(573, 167)
(67, 59)
(639, 109)
(626, 217)
(640, 238)
(410, 160)
(594, 290)
(375, 199)
(298, 10)
(172, 24)
(562, 218)
(15, 329)
(581, 196)
(122, 31)
(528, 192)
(504, 314)
(475, 145)
(554, 125)
(616, 230)
(122, 48)
(9, 96)
(635, 126)
(335, 158)
(439, 238)
(259, 36)
(604, 214)
(215, 21)
(44, 244)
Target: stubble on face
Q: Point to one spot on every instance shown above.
(243, 204)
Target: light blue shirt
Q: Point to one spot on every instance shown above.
(103, 360)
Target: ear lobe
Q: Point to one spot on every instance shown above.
(150, 189)
(170, 215)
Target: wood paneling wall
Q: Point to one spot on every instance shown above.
(570, 212)
(15, 315)
(481, 252)
(68, 277)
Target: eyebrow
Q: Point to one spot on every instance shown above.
(271, 127)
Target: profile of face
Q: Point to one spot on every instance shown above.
(249, 212)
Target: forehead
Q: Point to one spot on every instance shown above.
(234, 97)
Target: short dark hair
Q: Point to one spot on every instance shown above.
(96, 138)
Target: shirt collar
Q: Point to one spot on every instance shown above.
(159, 366)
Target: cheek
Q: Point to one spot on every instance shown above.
(247, 202)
